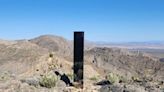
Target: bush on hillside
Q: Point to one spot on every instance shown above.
(48, 81)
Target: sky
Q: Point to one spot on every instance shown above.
(101, 20)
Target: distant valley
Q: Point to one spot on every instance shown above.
(155, 48)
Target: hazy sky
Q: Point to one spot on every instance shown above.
(102, 20)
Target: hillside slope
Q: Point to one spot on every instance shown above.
(55, 44)
(125, 63)
(18, 57)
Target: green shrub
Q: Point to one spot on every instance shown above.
(48, 81)
(113, 78)
(70, 76)
(94, 78)
(4, 76)
(135, 79)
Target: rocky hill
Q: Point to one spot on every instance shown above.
(18, 57)
(125, 63)
(55, 44)
(29, 65)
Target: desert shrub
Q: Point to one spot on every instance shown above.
(4, 76)
(94, 78)
(48, 81)
(52, 66)
(70, 76)
(135, 79)
(113, 78)
(123, 79)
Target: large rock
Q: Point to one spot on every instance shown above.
(60, 86)
(32, 81)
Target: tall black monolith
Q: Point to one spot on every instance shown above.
(78, 57)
